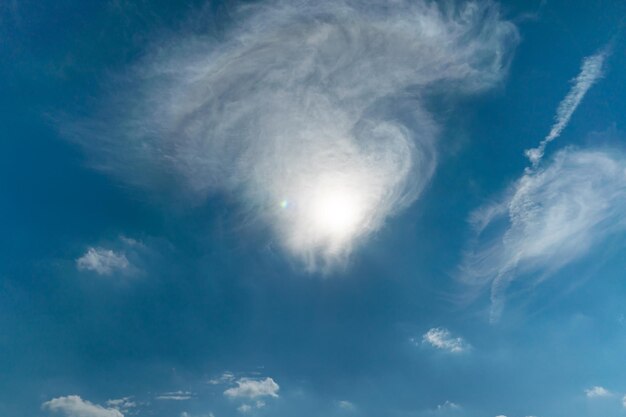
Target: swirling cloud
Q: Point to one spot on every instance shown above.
(312, 114)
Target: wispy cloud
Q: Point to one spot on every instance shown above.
(102, 261)
(548, 219)
(441, 338)
(175, 396)
(550, 216)
(310, 113)
(75, 406)
(122, 404)
(590, 71)
(253, 388)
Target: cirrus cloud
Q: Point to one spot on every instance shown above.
(549, 218)
(312, 114)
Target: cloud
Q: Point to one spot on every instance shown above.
(624, 401)
(312, 115)
(102, 261)
(122, 404)
(549, 218)
(74, 406)
(175, 396)
(590, 71)
(226, 377)
(441, 338)
(598, 392)
(244, 408)
(346, 405)
(253, 388)
(448, 406)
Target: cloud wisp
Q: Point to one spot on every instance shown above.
(311, 114)
(551, 215)
(590, 72)
(547, 220)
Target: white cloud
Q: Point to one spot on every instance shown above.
(624, 401)
(244, 408)
(253, 388)
(175, 396)
(102, 261)
(441, 338)
(346, 405)
(122, 404)
(74, 406)
(310, 113)
(597, 392)
(548, 219)
(591, 70)
(226, 377)
(448, 406)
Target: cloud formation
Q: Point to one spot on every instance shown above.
(597, 391)
(74, 406)
(590, 72)
(549, 218)
(312, 114)
(175, 396)
(102, 261)
(441, 338)
(253, 388)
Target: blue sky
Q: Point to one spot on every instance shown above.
(335, 208)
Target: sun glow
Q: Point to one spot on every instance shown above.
(335, 212)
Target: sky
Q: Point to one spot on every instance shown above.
(286, 208)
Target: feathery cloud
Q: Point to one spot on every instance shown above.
(312, 114)
(548, 219)
(75, 406)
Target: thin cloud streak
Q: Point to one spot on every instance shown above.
(590, 72)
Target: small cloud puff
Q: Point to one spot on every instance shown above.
(597, 391)
(448, 406)
(102, 261)
(75, 406)
(253, 388)
(441, 338)
(346, 405)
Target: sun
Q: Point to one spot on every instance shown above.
(335, 212)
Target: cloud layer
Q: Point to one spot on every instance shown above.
(311, 113)
(549, 218)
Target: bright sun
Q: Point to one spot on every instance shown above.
(335, 212)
